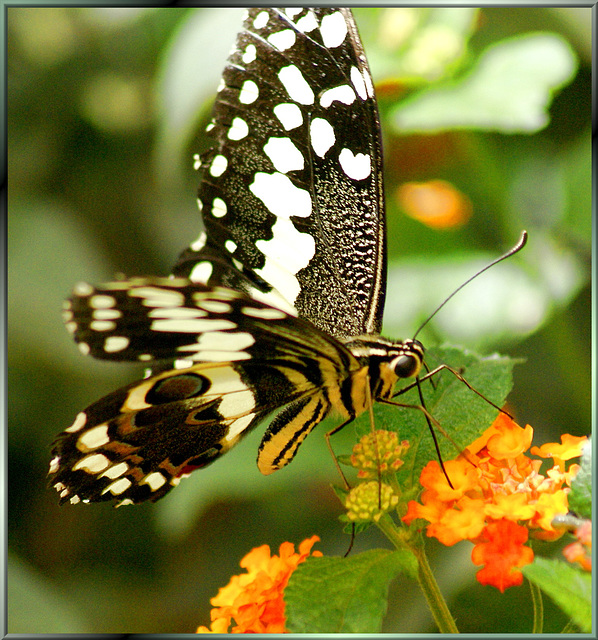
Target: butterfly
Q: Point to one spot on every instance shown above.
(277, 306)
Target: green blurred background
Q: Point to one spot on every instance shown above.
(106, 108)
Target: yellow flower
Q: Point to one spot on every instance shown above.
(254, 600)
(370, 501)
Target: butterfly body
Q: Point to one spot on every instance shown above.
(277, 306)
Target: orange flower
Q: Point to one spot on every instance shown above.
(570, 447)
(502, 550)
(504, 494)
(254, 600)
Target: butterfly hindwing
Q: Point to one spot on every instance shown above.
(294, 179)
(239, 360)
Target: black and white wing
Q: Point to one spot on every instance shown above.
(238, 360)
(292, 257)
(291, 194)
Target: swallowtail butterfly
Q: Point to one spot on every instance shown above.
(277, 306)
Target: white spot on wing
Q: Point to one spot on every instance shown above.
(357, 167)
(218, 166)
(289, 115)
(261, 20)
(93, 463)
(176, 312)
(174, 325)
(201, 272)
(238, 426)
(156, 297)
(79, 423)
(106, 314)
(286, 253)
(214, 306)
(155, 480)
(333, 29)
(238, 129)
(94, 438)
(249, 54)
(343, 93)
(71, 327)
(296, 85)
(54, 464)
(238, 404)
(118, 486)
(282, 40)
(114, 344)
(249, 92)
(307, 23)
(219, 208)
(321, 136)
(200, 243)
(102, 325)
(275, 299)
(115, 471)
(288, 246)
(82, 289)
(102, 302)
(358, 83)
(230, 246)
(84, 348)
(280, 195)
(263, 314)
(284, 154)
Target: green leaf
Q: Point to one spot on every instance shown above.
(568, 586)
(509, 90)
(462, 414)
(343, 595)
(580, 498)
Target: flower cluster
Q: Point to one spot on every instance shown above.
(499, 498)
(378, 452)
(370, 501)
(254, 600)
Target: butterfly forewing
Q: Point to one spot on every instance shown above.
(291, 193)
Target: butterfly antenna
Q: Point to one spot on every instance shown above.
(520, 244)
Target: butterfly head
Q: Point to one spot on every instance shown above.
(408, 362)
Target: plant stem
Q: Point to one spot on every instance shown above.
(425, 577)
(538, 605)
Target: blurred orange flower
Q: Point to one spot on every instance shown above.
(254, 600)
(437, 203)
(581, 550)
(499, 498)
